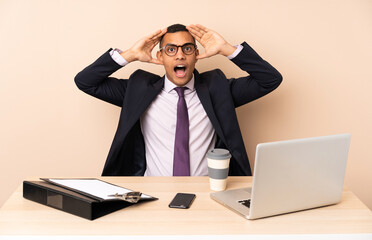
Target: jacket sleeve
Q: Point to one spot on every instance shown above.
(95, 81)
(263, 78)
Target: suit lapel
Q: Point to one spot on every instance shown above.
(205, 98)
(139, 105)
(151, 92)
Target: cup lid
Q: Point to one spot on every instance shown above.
(218, 153)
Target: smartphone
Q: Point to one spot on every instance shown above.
(182, 200)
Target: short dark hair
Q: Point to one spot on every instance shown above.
(173, 29)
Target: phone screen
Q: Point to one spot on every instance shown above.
(182, 200)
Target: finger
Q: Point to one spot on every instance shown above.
(195, 32)
(202, 28)
(199, 28)
(155, 37)
(164, 31)
(153, 43)
(156, 61)
(149, 44)
(201, 56)
(159, 34)
(194, 28)
(154, 34)
(151, 47)
(195, 36)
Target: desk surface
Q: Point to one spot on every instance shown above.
(19, 216)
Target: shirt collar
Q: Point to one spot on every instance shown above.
(169, 86)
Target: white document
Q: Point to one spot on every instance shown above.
(94, 187)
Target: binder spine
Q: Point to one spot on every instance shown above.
(57, 200)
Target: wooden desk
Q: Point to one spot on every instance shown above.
(19, 216)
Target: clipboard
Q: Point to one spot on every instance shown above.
(77, 201)
(95, 188)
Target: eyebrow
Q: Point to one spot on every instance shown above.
(172, 44)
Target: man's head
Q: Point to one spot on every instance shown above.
(178, 54)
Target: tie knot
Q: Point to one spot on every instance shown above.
(180, 91)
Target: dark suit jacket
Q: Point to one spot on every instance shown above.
(218, 95)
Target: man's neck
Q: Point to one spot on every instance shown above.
(169, 86)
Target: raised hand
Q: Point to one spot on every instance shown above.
(142, 49)
(212, 42)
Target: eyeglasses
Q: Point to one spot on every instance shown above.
(172, 49)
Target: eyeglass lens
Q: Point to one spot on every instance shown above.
(171, 49)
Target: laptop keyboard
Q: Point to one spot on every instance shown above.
(246, 202)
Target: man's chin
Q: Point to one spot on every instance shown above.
(180, 81)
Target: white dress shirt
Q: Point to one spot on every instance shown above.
(158, 126)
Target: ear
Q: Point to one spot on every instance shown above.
(159, 56)
(196, 54)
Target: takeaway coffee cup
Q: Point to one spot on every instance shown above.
(218, 168)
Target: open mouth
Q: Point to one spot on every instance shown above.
(180, 71)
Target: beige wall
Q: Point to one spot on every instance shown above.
(49, 128)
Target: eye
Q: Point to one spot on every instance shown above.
(170, 49)
(188, 49)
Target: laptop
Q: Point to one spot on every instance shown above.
(291, 176)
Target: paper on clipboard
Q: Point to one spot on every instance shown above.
(94, 187)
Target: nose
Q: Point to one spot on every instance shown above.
(180, 54)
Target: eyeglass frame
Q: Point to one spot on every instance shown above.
(179, 46)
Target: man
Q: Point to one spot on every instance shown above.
(167, 124)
